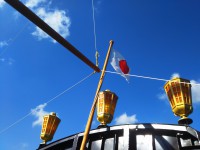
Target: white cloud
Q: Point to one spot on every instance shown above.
(56, 19)
(38, 113)
(24, 146)
(2, 59)
(2, 2)
(8, 61)
(21, 146)
(195, 91)
(16, 15)
(162, 96)
(34, 3)
(174, 75)
(124, 119)
(3, 43)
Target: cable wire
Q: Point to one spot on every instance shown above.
(93, 17)
(52, 99)
(69, 88)
(16, 122)
(12, 40)
(95, 36)
(151, 78)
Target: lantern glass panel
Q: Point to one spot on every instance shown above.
(178, 91)
(50, 124)
(106, 106)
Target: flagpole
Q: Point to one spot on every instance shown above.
(90, 118)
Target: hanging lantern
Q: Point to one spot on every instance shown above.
(49, 126)
(178, 91)
(106, 107)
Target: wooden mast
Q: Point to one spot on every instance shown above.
(90, 118)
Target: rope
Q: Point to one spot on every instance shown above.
(16, 122)
(151, 78)
(11, 40)
(95, 38)
(52, 99)
(69, 88)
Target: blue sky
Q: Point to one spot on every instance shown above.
(158, 39)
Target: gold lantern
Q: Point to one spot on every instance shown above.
(49, 126)
(106, 107)
(178, 91)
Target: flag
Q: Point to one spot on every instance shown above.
(119, 63)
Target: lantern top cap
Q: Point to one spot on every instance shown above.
(181, 79)
(178, 79)
(108, 91)
(53, 113)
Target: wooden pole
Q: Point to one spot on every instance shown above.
(90, 118)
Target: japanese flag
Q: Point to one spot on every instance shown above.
(119, 64)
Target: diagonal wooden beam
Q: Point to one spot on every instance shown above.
(20, 7)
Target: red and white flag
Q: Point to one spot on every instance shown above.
(119, 64)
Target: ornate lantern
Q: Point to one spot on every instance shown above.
(178, 91)
(106, 107)
(49, 126)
